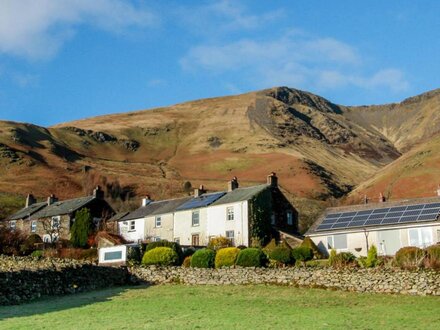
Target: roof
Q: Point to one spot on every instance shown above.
(63, 207)
(201, 201)
(156, 208)
(26, 212)
(118, 216)
(240, 194)
(359, 212)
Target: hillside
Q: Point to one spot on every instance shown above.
(318, 149)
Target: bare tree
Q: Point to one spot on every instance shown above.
(52, 228)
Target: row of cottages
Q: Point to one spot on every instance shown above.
(52, 219)
(388, 225)
(240, 214)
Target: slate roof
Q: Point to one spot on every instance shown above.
(63, 207)
(118, 216)
(240, 194)
(156, 208)
(370, 206)
(25, 212)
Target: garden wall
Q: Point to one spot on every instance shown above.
(378, 280)
(23, 279)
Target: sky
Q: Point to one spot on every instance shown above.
(62, 60)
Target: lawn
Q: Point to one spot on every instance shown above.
(227, 307)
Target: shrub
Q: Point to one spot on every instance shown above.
(342, 259)
(29, 244)
(10, 241)
(226, 257)
(272, 245)
(134, 254)
(82, 228)
(251, 257)
(90, 254)
(188, 252)
(317, 263)
(219, 242)
(371, 260)
(307, 242)
(409, 257)
(162, 256)
(203, 258)
(302, 254)
(37, 254)
(173, 245)
(433, 256)
(332, 257)
(281, 255)
(187, 262)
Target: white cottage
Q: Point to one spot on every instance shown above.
(388, 225)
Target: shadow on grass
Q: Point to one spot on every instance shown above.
(54, 304)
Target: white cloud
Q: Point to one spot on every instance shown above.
(37, 28)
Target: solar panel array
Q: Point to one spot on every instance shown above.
(382, 216)
(201, 201)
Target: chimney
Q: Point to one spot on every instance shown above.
(146, 200)
(30, 199)
(438, 190)
(272, 180)
(199, 191)
(366, 199)
(233, 184)
(51, 199)
(98, 193)
(381, 198)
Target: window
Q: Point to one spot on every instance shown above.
(338, 242)
(132, 226)
(156, 239)
(420, 237)
(195, 218)
(230, 236)
(12, 224)
(56, 222)
(272, 219)
(230, 213)
(33, 226)
(114, 255)
(195, 240)
(158, 222)
(289, 218)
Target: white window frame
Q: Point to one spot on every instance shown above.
(158, 221)
(230, 237)
(55, 222)
(193, 223)
(33, 226)
(132, 225)
(289, 215)
(330, 242)
(156, 239)
(12, 225)
(230, 216)
(420, 242)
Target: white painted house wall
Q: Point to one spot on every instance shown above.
(183, 228)
(132, 235)
(218, 223)
(387, 239)
(162, 232)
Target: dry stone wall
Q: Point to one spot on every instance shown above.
(423, 282)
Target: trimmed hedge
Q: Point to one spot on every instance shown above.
(282, 255)
(173, 245)
(307, 242)
(226, 257)
(251, 257)
(162, 256)
(203, 258)
(341, 259)
(409, 257)
(302, 254)
(219, 242)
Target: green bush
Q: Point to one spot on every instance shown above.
(433, 256)
(162, 256)
(186, 262)
(134, 254)
(317, 263)
(409, 257)
(342, 259)
(371, 260)
(29, 244)
(219, 242)
(270, 247)
(82, 228)
(188, 252)
(173, 245)
(90, 254)
(37, 254)
(204, 258)
(282, 255)
(302, 254)
(226, 257)
(251, 257)
(307, 242)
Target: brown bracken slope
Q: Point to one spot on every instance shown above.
(318, 149)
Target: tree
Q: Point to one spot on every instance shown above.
(52, 228)
(82, 227)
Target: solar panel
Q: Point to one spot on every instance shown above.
(201, 201)
(381, 216)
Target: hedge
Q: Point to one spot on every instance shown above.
(307, 242)
(162, 256)
(203, 258)
(173, 245)
(251, 257)
(281, 255)
(409, 257)
(226, 257)
(302, 254)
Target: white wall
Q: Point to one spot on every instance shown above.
(356, 239)
(121, 249)
(132, 235)
(183, 229)
(165, 231)
(217, 223)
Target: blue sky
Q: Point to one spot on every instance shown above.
(66, 60)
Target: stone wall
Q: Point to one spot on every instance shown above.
(376, 280)
(23, 279)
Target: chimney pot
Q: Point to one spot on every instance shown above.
(98, 193)
(381, 198)
(233, 184)
(51, 199)
(199, 191)
(30, 200)
(146, 200)
(438, 190)
(366, 199)
(272, 179)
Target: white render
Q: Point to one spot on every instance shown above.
(387, 239)
(122, 249)
(162, 232)
(183, 228)
(129, 234)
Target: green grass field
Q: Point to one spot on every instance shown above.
(227, 307)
